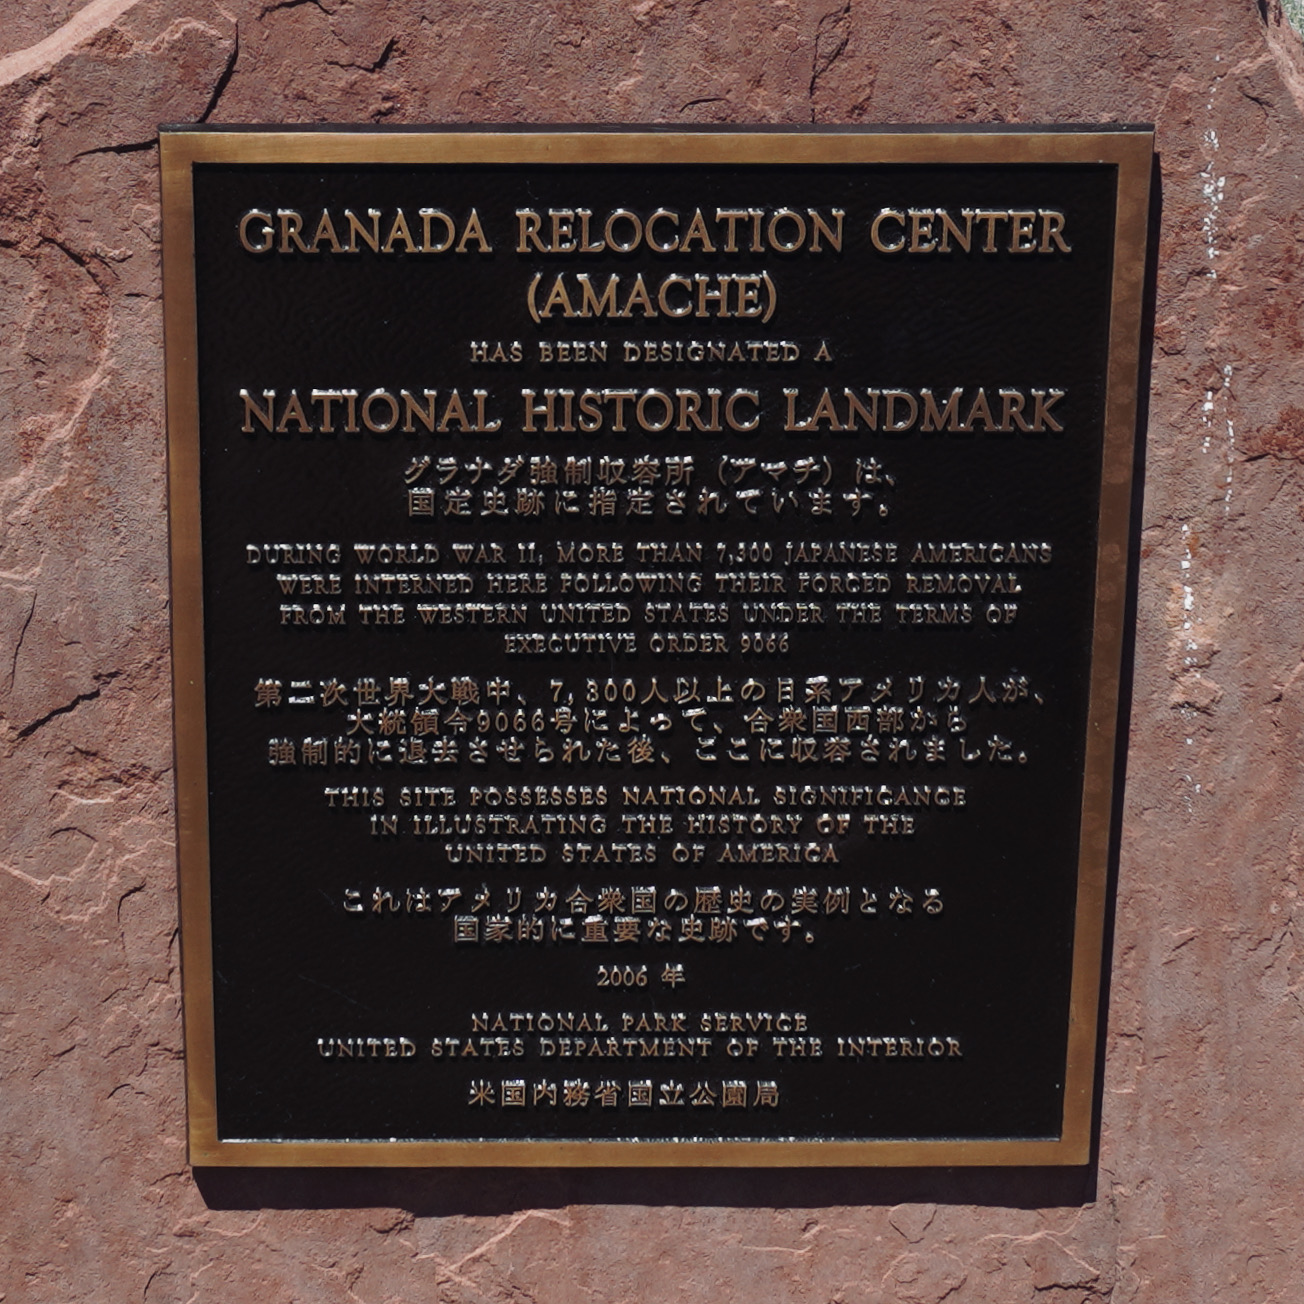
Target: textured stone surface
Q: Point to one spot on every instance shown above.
(1197, 1194)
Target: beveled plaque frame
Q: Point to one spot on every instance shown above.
(1127, 149)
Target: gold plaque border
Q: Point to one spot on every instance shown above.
(1129, 149)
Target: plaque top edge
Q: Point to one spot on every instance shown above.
(1129, 146)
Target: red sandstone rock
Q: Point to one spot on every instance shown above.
(1198, 1190)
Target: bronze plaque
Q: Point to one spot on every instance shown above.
(648, 609)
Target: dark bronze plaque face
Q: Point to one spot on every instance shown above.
(648, 611)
